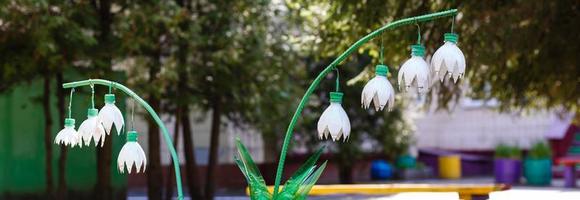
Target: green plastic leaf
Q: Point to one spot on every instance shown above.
(257, 185)
(309, 183)
(308, 164)
(297, 179)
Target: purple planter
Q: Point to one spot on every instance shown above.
(507, 171)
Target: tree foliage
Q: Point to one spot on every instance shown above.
(517, 52)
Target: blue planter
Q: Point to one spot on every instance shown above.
(381, 170)
(538, 171)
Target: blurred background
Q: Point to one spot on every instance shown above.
(216, 70)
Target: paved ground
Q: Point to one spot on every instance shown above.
(555, 191)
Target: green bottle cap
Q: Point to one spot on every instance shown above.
(69, 122)
(417, 50)
(336, 97)
(132, 136)
(92, 112)
(109, 98)
(451, 37)
(381, 70)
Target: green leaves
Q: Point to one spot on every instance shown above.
(256, 183)
(297, 187)
(300, 177)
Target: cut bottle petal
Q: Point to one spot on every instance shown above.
(111, 115)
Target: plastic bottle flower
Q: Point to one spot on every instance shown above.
(68, 135)
(414, 73)
(334, 122)
(131, 155)
(110, 115)
(92, 129)
(379, 90)
(448, 59)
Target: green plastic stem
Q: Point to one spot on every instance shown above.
(153, 114)
(337, 80)
(338, 60)
(92, 96)
(418, 34)
(70, 102)
(452, 23)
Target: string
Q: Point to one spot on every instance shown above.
(70, 102)
(418, 33)
(133, 115)
(452, 23)
(110, 87)
(337, 80)
(92, 96)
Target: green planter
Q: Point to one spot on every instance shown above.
(538, 171)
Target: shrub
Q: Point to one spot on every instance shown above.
(506, 151)
(540, 150)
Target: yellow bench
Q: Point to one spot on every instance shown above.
(466, 191)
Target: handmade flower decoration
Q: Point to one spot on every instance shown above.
(379, 90)
(110, 115)
(68, 136)
(131, 155)
(448, 59)
(92, 128)
(334, 122)
(414, 73)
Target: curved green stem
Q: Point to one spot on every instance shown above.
(330, 67)
(153, 114)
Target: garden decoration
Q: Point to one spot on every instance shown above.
(507, 165)
(333, 123)
(68, 136)
(92, 128)
(448, 60)
(538, 164)
(131, 154)
(379, 90)
(99, 124)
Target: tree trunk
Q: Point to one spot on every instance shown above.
(271, 148)
(103, 188)
(47, 136)
(154, 174)
(171, 170)
(213, 149)
(104, 154)
(61, 191)
(192, 175)
(154, 177)
(345, 174)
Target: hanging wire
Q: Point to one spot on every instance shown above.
(110, 87)
(452, 23)
(92, 96)
(418, 33)
(70, 102)
(337, 80)
(381, 54)
(133, 115)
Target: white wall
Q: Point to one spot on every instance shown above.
(476, 127)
